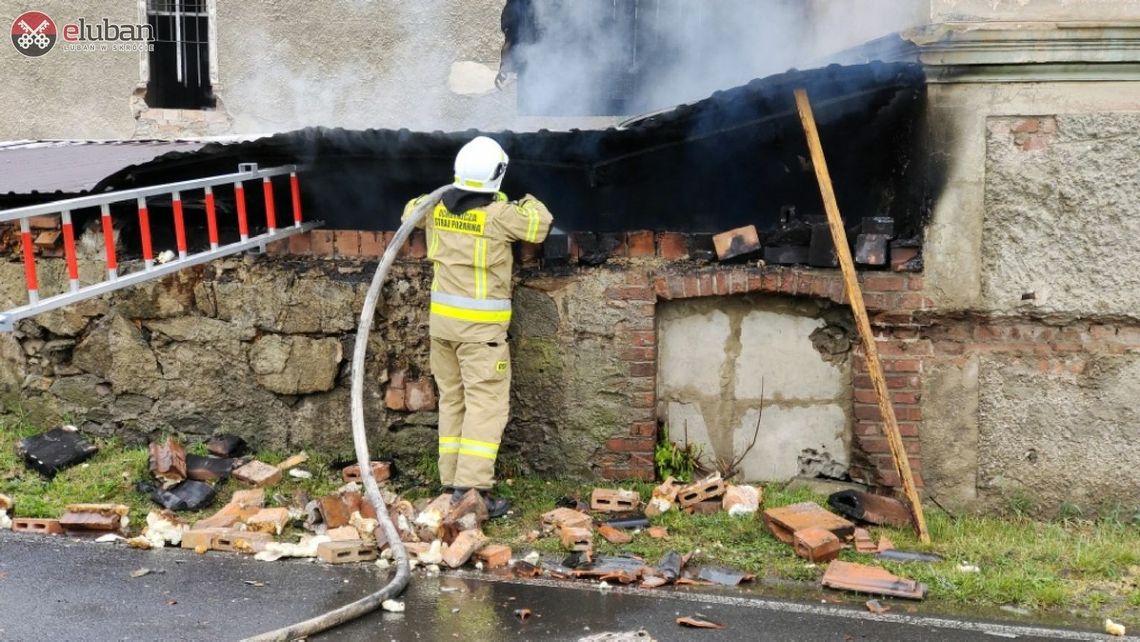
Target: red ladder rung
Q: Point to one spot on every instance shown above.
(109, 242)
(179, 226)
(29, 262)
(243, 221)
(144, 230)
(295, 190)
(270, 209)
(69, 251)
(211, 218)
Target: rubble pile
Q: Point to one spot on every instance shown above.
(447, 532)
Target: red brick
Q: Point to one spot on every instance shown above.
(321, 242)
(417, 245)
(672, 246)
(639, 354)
(394, 399)
(346, 552)
(387, 238)
(620, 248)
(737, 282)
(643, 399)
(921, 347)
(755, 281)
(39, 526)
(347, 243)
(866, 396)
(643, 338)
(644, 429)
(913, 301)
(630, 444)
(277, 248)
(721, 284)
(1025, 126)
(915, 282)
(885, 282)
(45, 222)
(737, 242)
(867, 411)
(908, 413)
(493, 556)
(692, 286)
(630, 293)
(419, 395)
(904, 398)
(371, 244)
(643, 369)
(771, 281)
(640, 244)
(706, 283)
(903, 365)
(661, 288)
(300, 244)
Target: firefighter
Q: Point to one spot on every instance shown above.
(469, 236)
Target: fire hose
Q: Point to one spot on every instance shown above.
(399, 581)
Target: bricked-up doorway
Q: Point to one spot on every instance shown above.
(717, 355)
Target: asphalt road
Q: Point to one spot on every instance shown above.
(66, 589)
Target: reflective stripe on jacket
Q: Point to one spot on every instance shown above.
(471, 256)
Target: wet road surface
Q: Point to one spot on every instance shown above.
(55, 587)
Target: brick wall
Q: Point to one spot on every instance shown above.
(660, 271)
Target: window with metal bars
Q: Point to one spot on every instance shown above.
(180, 59)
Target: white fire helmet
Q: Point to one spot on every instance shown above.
(480, 166)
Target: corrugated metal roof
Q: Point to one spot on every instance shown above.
(74, 165)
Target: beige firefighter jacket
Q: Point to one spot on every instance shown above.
(471, 254)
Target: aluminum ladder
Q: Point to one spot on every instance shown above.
(151, 270)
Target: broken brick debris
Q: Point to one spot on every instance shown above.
(864, 543)
(657, 532)
(334, 511)
(735, 243)
(468, 514)
(357, 504)
(186, 495)
(494, 556)
(709, 488)
(560, 517)
(55, 450)
(885, 544)
(381, 471)
(742, 500)
(876, 607)
(784, 521)
(463, 547)
(258, 473)
(653, 582)
(232, 540)
(243, 504)
(707, 507)
(93, 517)
(168, 462)
(206, 469)
(663, 497)
(342, 533)
(268, 520)
(346, 552)
(577, 539)
(861, 578)
(614, 535)
(6, 503)
(614, 500)
(293, 462)
(227, 446)
(39, 526)
(697, 622)
(867, 507)
(526, 569)
(816, 545)
(199, 538)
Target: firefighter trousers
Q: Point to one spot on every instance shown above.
(474, 381)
